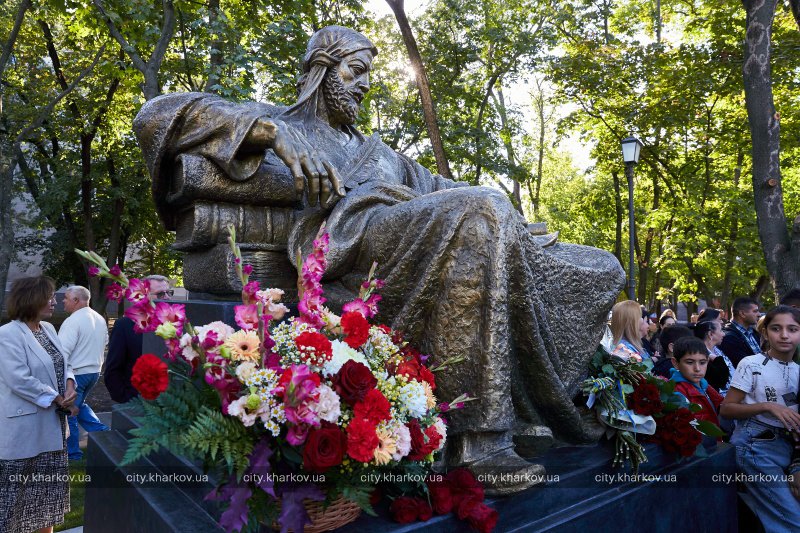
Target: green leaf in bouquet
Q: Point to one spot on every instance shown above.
(667, 387)
(709, 428)
(627, 388)
(608, 370)
(647, 364)
(695, 408)
(291, 455)
(359, 494)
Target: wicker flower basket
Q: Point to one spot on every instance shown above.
(341, 511)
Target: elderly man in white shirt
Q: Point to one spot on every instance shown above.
(84, 336)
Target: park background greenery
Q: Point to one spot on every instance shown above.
(514, 82)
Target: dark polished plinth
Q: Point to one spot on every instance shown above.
(583, 493)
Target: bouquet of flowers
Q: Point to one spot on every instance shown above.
(317, 407)
(630, 400)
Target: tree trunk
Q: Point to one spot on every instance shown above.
(514, 169)
(539, 103)
(781, 252)
(215, 53)
(428, 107)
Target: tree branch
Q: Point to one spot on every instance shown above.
(24, 6)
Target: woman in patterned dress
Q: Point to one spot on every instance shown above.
(37, 388)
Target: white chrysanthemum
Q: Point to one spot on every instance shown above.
(328, 406)
(441, 427)
(413, 400)
(403, 441)
(245, 370)
(341, 354)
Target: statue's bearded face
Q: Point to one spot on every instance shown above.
(345, 85)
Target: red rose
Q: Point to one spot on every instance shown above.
(356, 328)
(353, 381)
(466, 507)
(324, 449)
(424, 511)
(441, 498)
(362, 440)
(374, 407)
(404, 510)
(463, 485)
(646, 400)
(434, 438)
(483, 518)
(384, 328)
(149, 376)
(314, 347)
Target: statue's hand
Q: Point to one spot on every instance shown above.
(295, 151)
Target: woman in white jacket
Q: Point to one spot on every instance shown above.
(37, 389)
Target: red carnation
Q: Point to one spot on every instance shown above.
(356, 327)
(426, 375)
(149, 376)
(314, 347)
(404, 510)
(646, 400)
(362, 440)
(353, 381)
(409, 369)
(419, 446)
(374, 407)
(324, 448)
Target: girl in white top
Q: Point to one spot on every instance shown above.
(763, 396)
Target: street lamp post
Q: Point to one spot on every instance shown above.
(631, 148)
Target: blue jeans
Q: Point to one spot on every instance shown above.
(88, 420)
(763, 459)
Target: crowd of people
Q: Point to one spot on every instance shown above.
(745, 377)
(45, 378)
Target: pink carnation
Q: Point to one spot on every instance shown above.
(246, 316)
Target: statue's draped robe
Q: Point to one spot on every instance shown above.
(463, 275)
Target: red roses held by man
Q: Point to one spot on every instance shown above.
(457, 492)
(675, 433)
(646, 399)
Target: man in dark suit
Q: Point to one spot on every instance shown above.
(125, 347)
(741, 339)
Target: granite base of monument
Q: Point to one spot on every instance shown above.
(582, 492)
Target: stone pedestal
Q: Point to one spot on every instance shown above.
(583, 493)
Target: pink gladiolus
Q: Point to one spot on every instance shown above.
(297, 434)
(137, 290)
(310, 306)
(93, 271)
(246, 316)
(115, 292)
(143, 315)
(369, 308)
(247, 269)
(172, 313)
(115, 270)
(249, 293)
(276, 311)
(237, 261)
(300, 390)
(173, 348)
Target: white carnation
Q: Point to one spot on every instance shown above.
(245, 371)
(222, 330)
(403, 437)
(328, 406)
(237, 408)
(341, 354)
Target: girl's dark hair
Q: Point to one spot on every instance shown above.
(688, 345)
(702, 329)
(709, 313)
(672, 334)
(28, 296)
(775, 311)
(664, 318)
